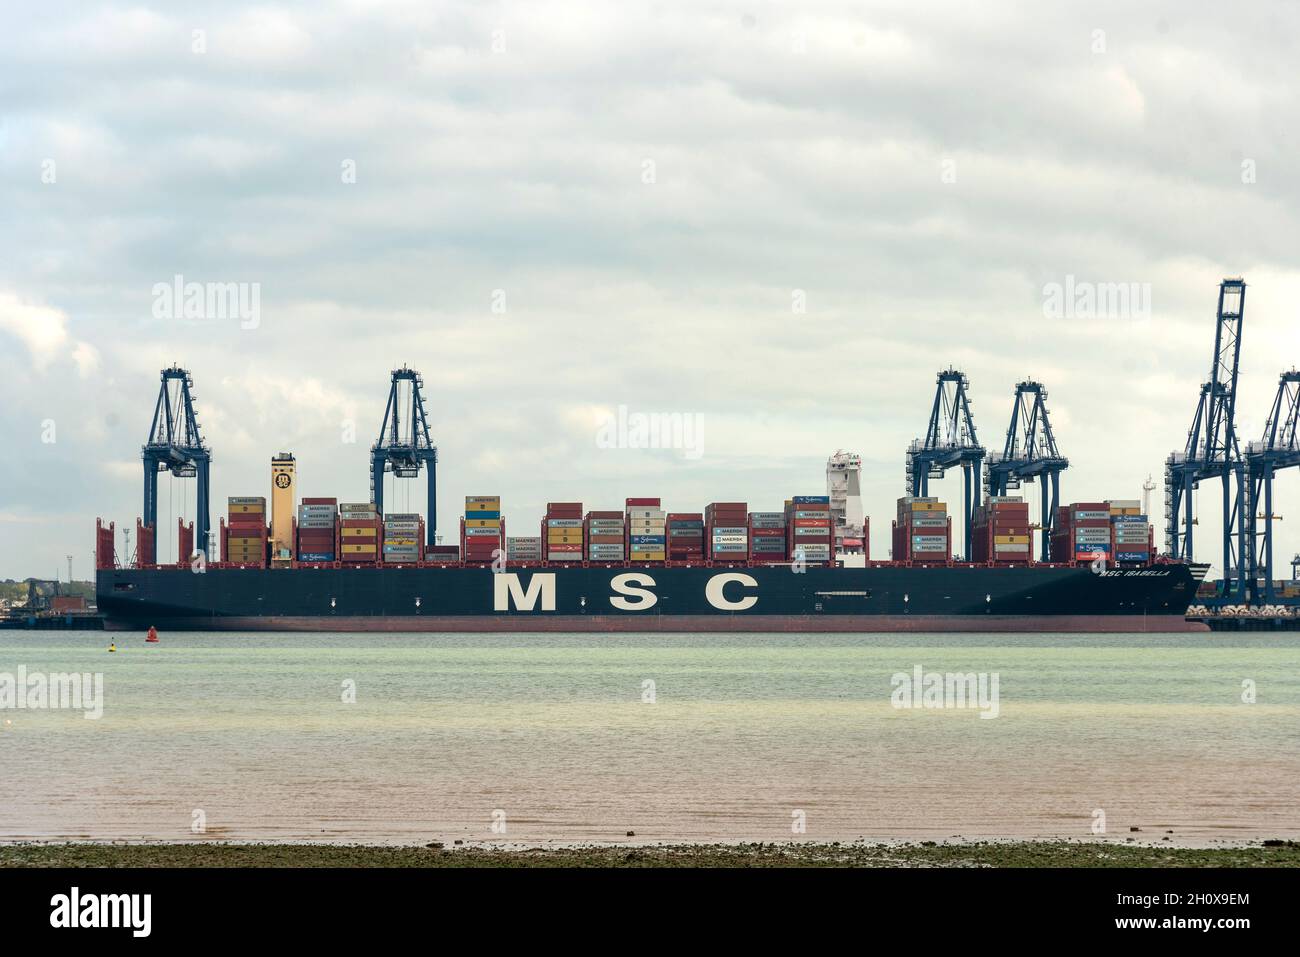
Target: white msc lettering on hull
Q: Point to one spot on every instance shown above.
(630, 597)
(506, 588)
(713, 591)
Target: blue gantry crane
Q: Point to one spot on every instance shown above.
(1030, 452)
(950, 441)
(1212, 450)
(1278, 449)
(404, 446)
(176, 445)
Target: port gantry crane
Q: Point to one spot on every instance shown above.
(1212, 450)
(176, 445)
(1030, 452)
(1278, 449)
(404, 446)
(950, 441)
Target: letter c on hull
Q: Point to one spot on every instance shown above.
(713, 591)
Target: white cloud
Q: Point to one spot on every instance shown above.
(44, 331)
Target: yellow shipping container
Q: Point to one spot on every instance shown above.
(248, 510)
(648, 556)
(492, 506)
(563, 538)
(399, 541)
(359, 549)
(369, 533)
(482, 523)
(929, 507)
(1010, 539)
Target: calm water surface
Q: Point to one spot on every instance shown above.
(553, 733)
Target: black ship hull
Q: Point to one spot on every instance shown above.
(886, 598)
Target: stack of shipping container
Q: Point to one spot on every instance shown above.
(1082, 533)
(403, 539)
(1000, 531)
(685, 536)
(646, 530)
(562, 530)
(482, 530)
(808, 528)
(246, 533)
(359, 533)
(318, 530)
(1131, 539)
(767, 537)
(524, 548)
(726, 531)
(604, 539)
(922, 532)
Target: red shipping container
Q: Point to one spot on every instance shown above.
(642, 503)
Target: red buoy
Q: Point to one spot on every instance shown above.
(153, 634)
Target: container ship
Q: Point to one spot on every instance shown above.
(318, 564)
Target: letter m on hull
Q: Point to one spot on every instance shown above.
(507, 590)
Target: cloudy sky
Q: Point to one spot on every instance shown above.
(783, 218)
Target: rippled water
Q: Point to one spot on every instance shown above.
(745, 731)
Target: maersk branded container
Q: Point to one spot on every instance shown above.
(808, 532)
(685, 536)
(562, 533)
(1000, 531)
(482, 529)
(645, 532)
(921, 531)
(525, 548)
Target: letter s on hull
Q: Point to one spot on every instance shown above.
(630, 597)
(506, 589)
(713, 591)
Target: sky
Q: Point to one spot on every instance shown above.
(778, 221)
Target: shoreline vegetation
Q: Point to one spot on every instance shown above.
(1082, 854)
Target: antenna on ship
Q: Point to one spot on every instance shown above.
(1147, 488)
